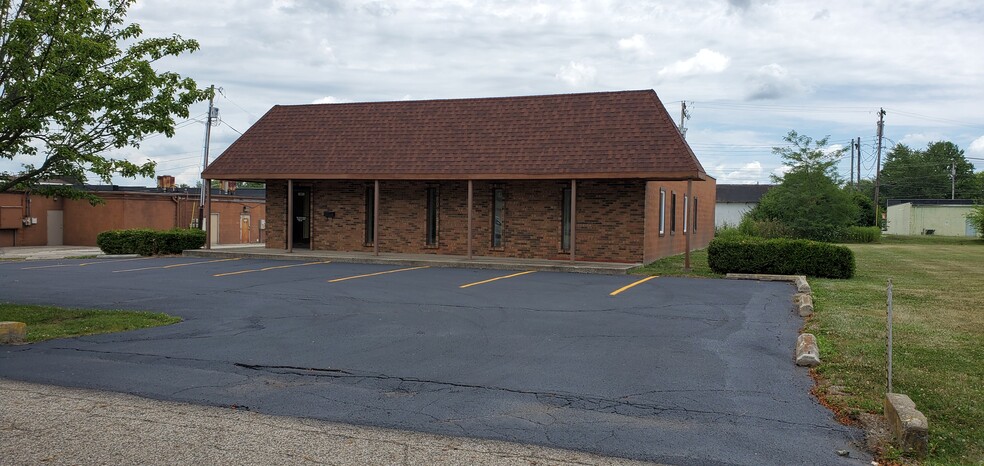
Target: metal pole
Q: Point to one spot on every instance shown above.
(573, 210)
(290, 215)
(881, 130)
(890, 336)
(208, 135)
(469, 219)
(375, 218)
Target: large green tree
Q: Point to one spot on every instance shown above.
(808, 201)
(925, 174)
(76, 82)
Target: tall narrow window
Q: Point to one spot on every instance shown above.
(370, 215)
(695, 214)
(432, 216)
(662, 212)
(672, 213)
(686, 212)
(498, 209)
(565, 221)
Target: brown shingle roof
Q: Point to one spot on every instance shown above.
(625, 134)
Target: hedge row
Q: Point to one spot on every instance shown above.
(862, 235)
(148, 242)
(780, 256)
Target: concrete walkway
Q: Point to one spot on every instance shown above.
(44, 424)
(416, 260)
(47, 252)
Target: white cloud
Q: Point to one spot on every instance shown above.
(773, 82)
(706, 61)
(921, 140)
(635, 45)
(330, 99)
(977, 147)
(750, 172)
(577, 74)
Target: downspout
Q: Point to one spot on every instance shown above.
(177, 211)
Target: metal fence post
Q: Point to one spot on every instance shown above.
(890, 335)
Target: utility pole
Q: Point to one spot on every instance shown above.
(684, 115)
(953, 180)
(881, 131)
(859, 163)
(212, 113)
(852, 165)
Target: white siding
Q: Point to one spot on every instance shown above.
(730, 213)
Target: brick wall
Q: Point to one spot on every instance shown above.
(674, 242)
(610, 218)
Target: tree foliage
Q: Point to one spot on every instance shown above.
(805, 154)
(810, 205)
(76, 82)
(925, 174)
(976, 218)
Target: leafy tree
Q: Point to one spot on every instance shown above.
(976, 218)
(809, 155)
(75, 82)
(866, 208)
(925, 174)
(810, 205)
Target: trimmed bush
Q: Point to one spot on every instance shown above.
(780, 256)
(862, 234)
(147, 242)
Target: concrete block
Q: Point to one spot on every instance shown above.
(910, 427)
(801, 284)
(805, 305)
(807, 352)
(12, 333)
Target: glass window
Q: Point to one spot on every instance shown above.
(370, 214)
(432, 216)
(672, 213)
(695, 214)
(662, 211)
(498, 209)
(686, 212)
(565, 221)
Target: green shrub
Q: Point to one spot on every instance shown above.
(147, 242)
(862, 235)
(764, 228)
(780, 256)
(727, 232)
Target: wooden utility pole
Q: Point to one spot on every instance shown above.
(859, 163)
(881, 131)
(852, 165)
(208, 134)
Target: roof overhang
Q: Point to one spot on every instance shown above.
(672, 176)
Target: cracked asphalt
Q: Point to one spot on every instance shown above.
(674, 370)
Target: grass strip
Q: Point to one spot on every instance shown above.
(49, 322)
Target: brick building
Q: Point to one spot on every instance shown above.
(596, 177)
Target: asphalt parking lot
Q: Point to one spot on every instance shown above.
(675, 370)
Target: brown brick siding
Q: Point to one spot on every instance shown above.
(672, 243)
(609, 220)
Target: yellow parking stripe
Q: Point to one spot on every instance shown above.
(86, 263)
(264, 269)
(496, 278)
(177, 265)
(377, 273)
(630, 285)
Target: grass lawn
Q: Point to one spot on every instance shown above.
(939, 337)
(47, 322)
(673, 266)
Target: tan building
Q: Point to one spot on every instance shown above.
(942, 217)
(599, 177)
(31, 220)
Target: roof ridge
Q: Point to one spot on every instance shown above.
(462, 99)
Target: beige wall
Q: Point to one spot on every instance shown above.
(944, 220)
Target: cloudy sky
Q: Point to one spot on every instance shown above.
(749, 70)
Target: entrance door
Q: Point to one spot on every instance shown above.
(213, 228)
(56, 228)
(302, 217)
(244, 228)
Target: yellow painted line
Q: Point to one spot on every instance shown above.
(264, 269)
(496, 278)
(378, 273)
(630, 285)
(177, 265)
(86, 263)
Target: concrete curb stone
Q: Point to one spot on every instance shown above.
(12, 333)
(807, 352)
(910, 427)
